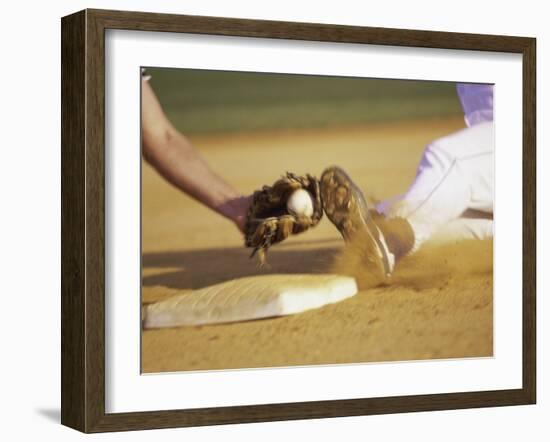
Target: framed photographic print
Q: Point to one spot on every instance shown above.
(268, 220)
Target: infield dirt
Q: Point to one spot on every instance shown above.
(438, 304)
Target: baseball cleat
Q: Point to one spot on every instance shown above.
(346, 207)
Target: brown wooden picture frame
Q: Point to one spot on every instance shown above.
(83, 220)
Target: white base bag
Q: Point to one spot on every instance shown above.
(249, 298)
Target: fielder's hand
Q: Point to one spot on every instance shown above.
(269, 221)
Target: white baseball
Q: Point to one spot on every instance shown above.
(300, 203)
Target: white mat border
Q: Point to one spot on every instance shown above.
(127, 390)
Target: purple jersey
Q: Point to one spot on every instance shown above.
(477, 102)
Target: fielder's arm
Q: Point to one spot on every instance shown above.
(173, 156)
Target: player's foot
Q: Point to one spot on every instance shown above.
(347, 208)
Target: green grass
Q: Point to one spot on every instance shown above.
(199, 101)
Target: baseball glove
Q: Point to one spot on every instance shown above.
(268, 219)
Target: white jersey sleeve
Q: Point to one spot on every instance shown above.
(144, 75)
(477, 102)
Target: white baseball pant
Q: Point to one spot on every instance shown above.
(456, 174)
